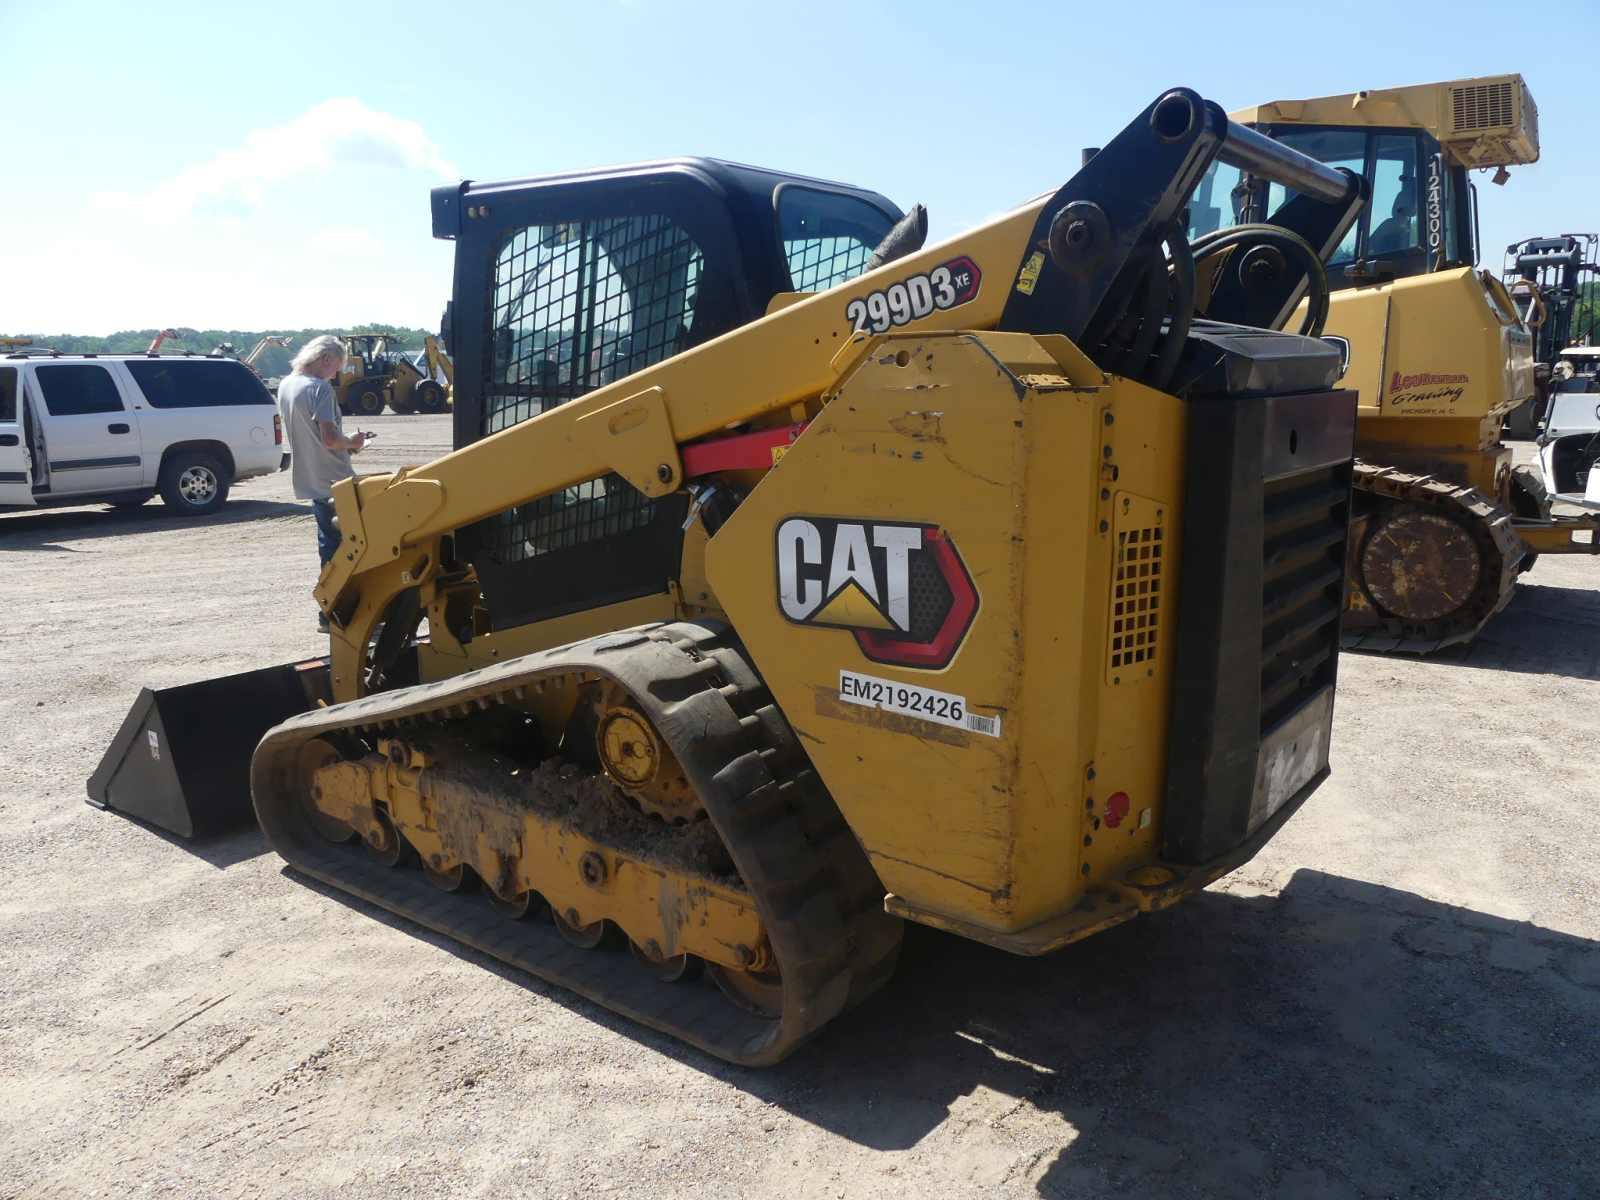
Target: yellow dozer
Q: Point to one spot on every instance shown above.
(792, 580)
(1444, 523)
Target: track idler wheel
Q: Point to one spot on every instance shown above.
(584, 937)
(518, 907)
(384, 843)
(669, 969)
(314, 755)
(1421, 566)
(757, 992)
(458, 878)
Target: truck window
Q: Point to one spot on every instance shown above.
(185, 383)
(8, 394)
(827, 237)
(77, 389)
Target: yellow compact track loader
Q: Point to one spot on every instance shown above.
(791, 580)
(1443, 523)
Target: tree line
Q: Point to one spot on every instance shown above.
(274, 360)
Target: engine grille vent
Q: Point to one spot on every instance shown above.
(1306, 520)
(1483, 106)
(1135, 617)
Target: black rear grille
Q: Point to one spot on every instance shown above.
(1304, 522)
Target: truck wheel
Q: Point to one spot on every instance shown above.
(405, 405)
(430, 397)
(366, 399)
(194, 483)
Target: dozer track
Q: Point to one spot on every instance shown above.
(1456, 575)
(819, 902)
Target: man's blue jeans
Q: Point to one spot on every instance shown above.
(327, 531)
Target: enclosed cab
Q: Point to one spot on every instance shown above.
(601, 276)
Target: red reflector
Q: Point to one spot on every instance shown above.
(277, 430)
(1116, 808)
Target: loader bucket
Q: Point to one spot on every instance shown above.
(181, 760)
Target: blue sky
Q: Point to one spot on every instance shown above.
(238, 166)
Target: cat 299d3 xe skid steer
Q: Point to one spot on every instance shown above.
(791, 580)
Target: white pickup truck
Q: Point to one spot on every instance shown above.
(117, 429)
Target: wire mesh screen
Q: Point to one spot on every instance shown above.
(816, 264)
(575, 306)
(579, 304)
(827, 237)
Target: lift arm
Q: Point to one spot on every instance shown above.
(1069, 264)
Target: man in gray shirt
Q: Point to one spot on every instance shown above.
(320, 451)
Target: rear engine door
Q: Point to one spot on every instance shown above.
(16, 474)
(91, 436)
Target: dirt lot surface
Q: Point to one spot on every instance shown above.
(1399, 998)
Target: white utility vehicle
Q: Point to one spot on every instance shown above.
(117, 429)
(1569, 445)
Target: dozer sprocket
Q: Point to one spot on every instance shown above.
(1480, 533)
(819, 901)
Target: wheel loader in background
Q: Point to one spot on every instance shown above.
(792, 579)
(1443, 523)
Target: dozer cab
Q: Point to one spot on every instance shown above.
(792, 579)
(1443, 523)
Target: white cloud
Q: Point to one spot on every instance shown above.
(321, 220)
(338, 132)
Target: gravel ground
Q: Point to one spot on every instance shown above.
(1399, 998)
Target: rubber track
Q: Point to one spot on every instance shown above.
(819, 899)
(1490, 526)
